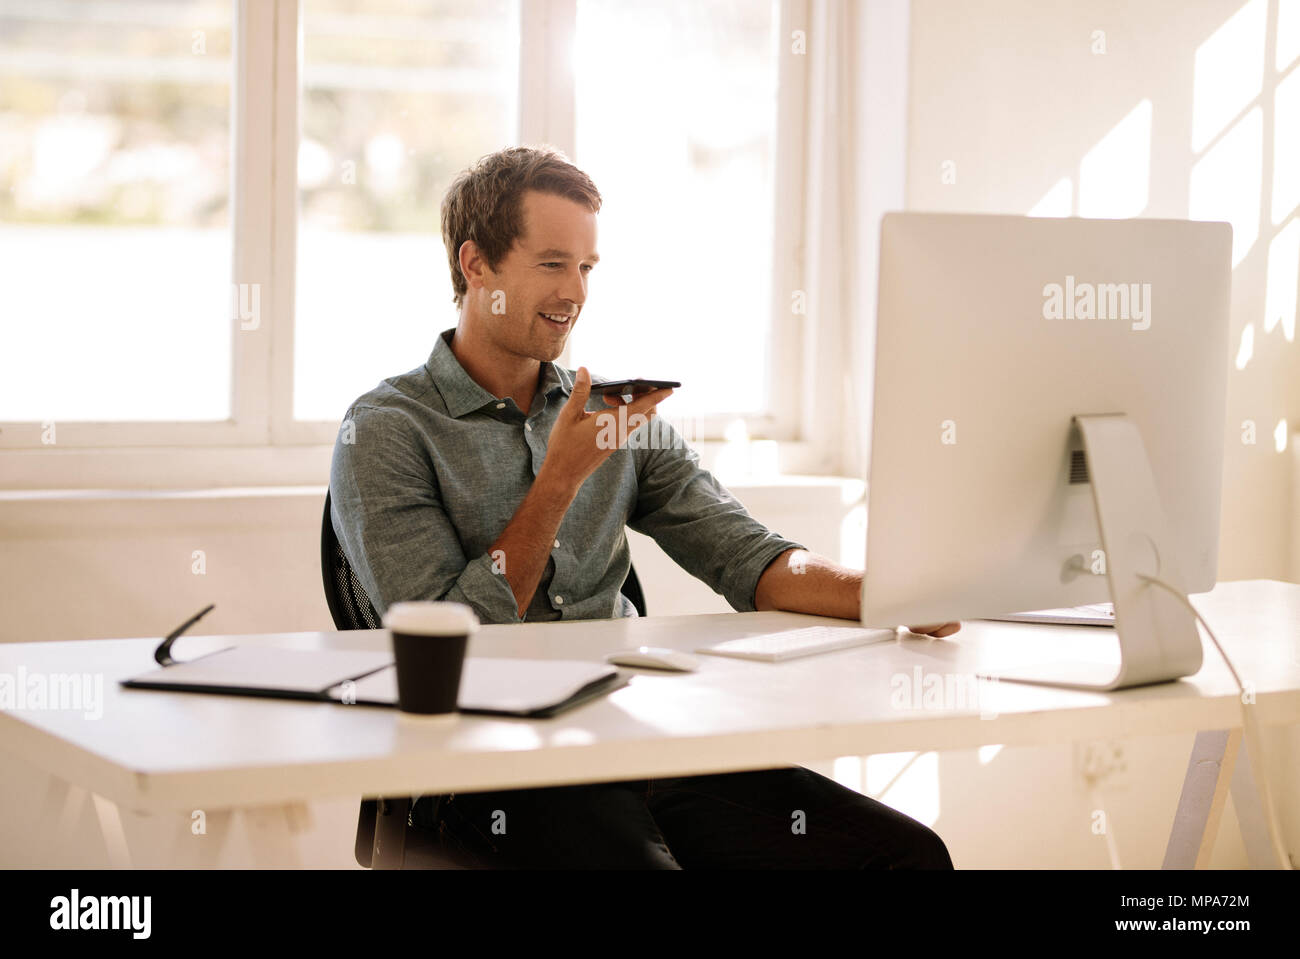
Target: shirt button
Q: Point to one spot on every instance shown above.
(557, 544)
(559, 600)
(528, 426)
(501, 406)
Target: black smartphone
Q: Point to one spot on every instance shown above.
(625, 387)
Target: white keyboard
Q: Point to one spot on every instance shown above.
(1095, 614)
(793, 643)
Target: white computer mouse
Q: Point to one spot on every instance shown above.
(655, 657)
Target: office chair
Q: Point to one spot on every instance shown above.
(385, 838)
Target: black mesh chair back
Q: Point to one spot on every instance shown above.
(348, 602)
(632, 590)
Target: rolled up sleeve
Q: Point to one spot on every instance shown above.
(391, 523)
(698, 523)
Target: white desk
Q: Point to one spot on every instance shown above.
(171, 753)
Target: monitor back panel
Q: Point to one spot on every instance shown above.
(992, 333)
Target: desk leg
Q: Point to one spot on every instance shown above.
(1218, 764)
(61, 813)
(1200, 807)
(59, 808)
(272, 834)
(272, 837)
(203, 850)
(1252, 816)
(272, 830)
(110, 828)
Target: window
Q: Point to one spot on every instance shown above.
(224, 214)
(678, 131)
(114, 211)
(397, 99)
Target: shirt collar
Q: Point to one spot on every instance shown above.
(462, 395)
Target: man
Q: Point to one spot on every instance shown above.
(482, 477)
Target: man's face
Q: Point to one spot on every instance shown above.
(532, 299)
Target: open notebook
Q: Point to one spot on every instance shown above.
(533, 688)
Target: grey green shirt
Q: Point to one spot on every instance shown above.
(430, 467)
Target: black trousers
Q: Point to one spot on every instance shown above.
(790, 818)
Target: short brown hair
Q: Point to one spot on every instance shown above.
(485, 202)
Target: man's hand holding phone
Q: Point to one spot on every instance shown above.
(573, 452)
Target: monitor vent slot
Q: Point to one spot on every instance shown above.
(1078, 467)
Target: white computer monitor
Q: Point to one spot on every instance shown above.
(1031, 375)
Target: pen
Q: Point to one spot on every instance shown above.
(163, 653)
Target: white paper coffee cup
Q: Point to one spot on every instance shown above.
(425, 618)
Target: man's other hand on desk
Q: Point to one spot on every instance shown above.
(798, 581)
(939, 631)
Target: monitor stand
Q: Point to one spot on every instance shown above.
(1158, 641)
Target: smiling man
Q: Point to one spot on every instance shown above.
(479, 478)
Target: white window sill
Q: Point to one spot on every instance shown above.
(217, 467)
(812, 489)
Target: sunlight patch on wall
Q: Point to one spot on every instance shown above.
(1058, 201)
(1286, 147)
(1114, 176)
(1225, 183)
(1246, 349)
(1229, 72)
(988, 752)
(1283, 276)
